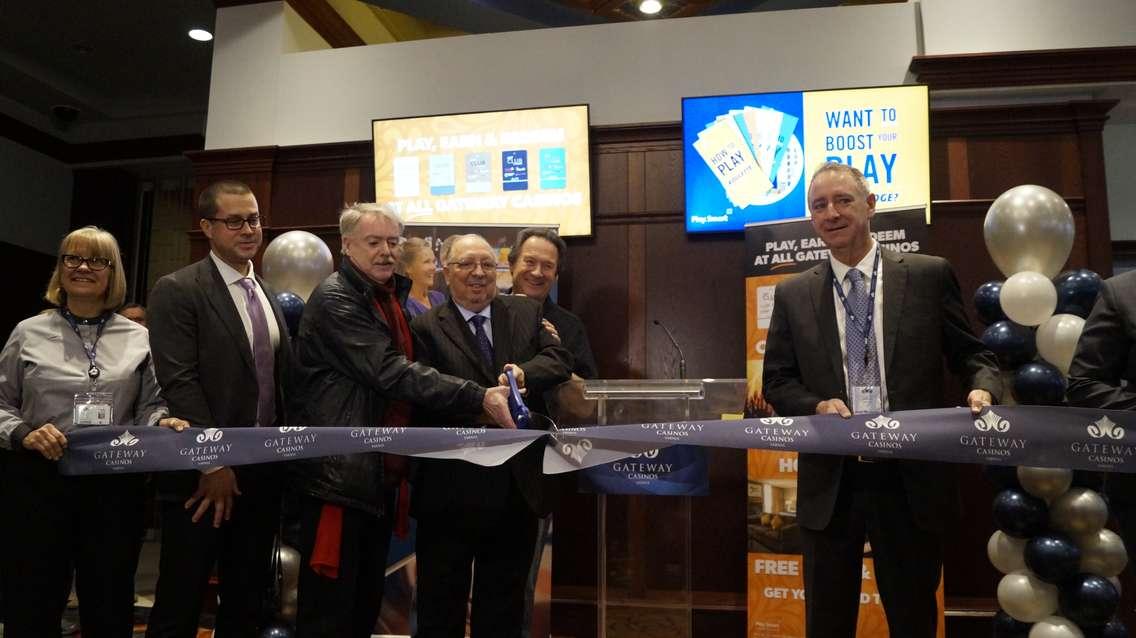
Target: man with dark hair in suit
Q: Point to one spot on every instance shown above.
(863, 333)
(1102, 375)
(481, 522)
(220, 347)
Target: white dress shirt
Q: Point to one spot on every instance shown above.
(232, 279)
(485, 312)
(840, 270)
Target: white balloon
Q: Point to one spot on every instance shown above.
(296, 262)
(1006, 553)
(1056, 627)
(1103, 553)
(1078, 512)
(1028, 298)
(1026, 597)
(1029, 228)
(1057, 340)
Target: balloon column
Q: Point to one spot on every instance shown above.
(297, 262)
(1058, 561)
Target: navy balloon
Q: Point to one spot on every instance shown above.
(1006, 627)
(1013, 343)
(1077, 291)
(988, 302)
(1053, 557)
(1112, 629)
(1088, 600)
(277, 630)
(1019, 514)
(293, 308)
(1039, 383)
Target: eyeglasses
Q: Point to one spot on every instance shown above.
(471, 265)
(237, 223)
(94, 263)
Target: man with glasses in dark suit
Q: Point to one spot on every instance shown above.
(479, 523)
(221, 352)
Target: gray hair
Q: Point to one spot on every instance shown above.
(350, 216)
(475, 236)
(852, 171)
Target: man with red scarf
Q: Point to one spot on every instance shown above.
(355, 367)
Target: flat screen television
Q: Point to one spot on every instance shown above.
(748, 158)
(526, 166)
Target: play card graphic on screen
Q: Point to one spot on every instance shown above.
(526, 166)
(747, 158)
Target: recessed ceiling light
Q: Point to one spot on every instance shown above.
(650, 7)
(201, 35)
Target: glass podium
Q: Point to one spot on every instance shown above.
(643, 562)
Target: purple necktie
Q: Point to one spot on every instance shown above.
(482, 338)
(262, 356)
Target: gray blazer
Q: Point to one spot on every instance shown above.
(923, 317)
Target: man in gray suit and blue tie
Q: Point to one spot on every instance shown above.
(863, 333)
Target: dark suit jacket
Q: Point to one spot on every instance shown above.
(445, 342)
(203, 359)
(1106, 356)
(923, 316)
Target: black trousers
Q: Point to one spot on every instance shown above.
(242, 550)
(908, 560)
(495, 549)
(56, 526)
(347, 606)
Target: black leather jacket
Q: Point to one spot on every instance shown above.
(347, 368)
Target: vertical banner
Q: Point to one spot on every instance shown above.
(776, 589)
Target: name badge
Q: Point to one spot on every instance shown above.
(866, 399)
(94, 408)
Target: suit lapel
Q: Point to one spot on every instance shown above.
(824, 309)
(895, 288)
(502, 331)
(222, 302)
(458, 332)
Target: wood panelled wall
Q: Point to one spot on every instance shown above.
(640, 266)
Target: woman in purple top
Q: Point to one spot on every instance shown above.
(417, 264)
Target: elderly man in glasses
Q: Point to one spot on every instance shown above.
(479, 523)
(356, 367)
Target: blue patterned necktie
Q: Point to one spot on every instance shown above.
(262, 356)
(483, 343)
(863, 364)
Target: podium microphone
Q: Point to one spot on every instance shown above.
(681, 358)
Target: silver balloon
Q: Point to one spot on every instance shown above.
(1115, 580)
(1005, 552)
(1029, 228)
(1056, 627)
(290, 583)
(1078, 512)
(1026, 597)
(1045, 482)
(1103, 553)
(1028, 298)
(297, 262)
(1057, 340)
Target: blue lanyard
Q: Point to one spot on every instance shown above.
(90, 349)
(851, 316)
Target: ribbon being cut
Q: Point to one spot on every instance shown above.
(1072, 438)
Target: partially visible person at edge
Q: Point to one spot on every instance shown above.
(416, 263)
(77, 366)
(222, 355)
(355, 358)
(135, 312)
